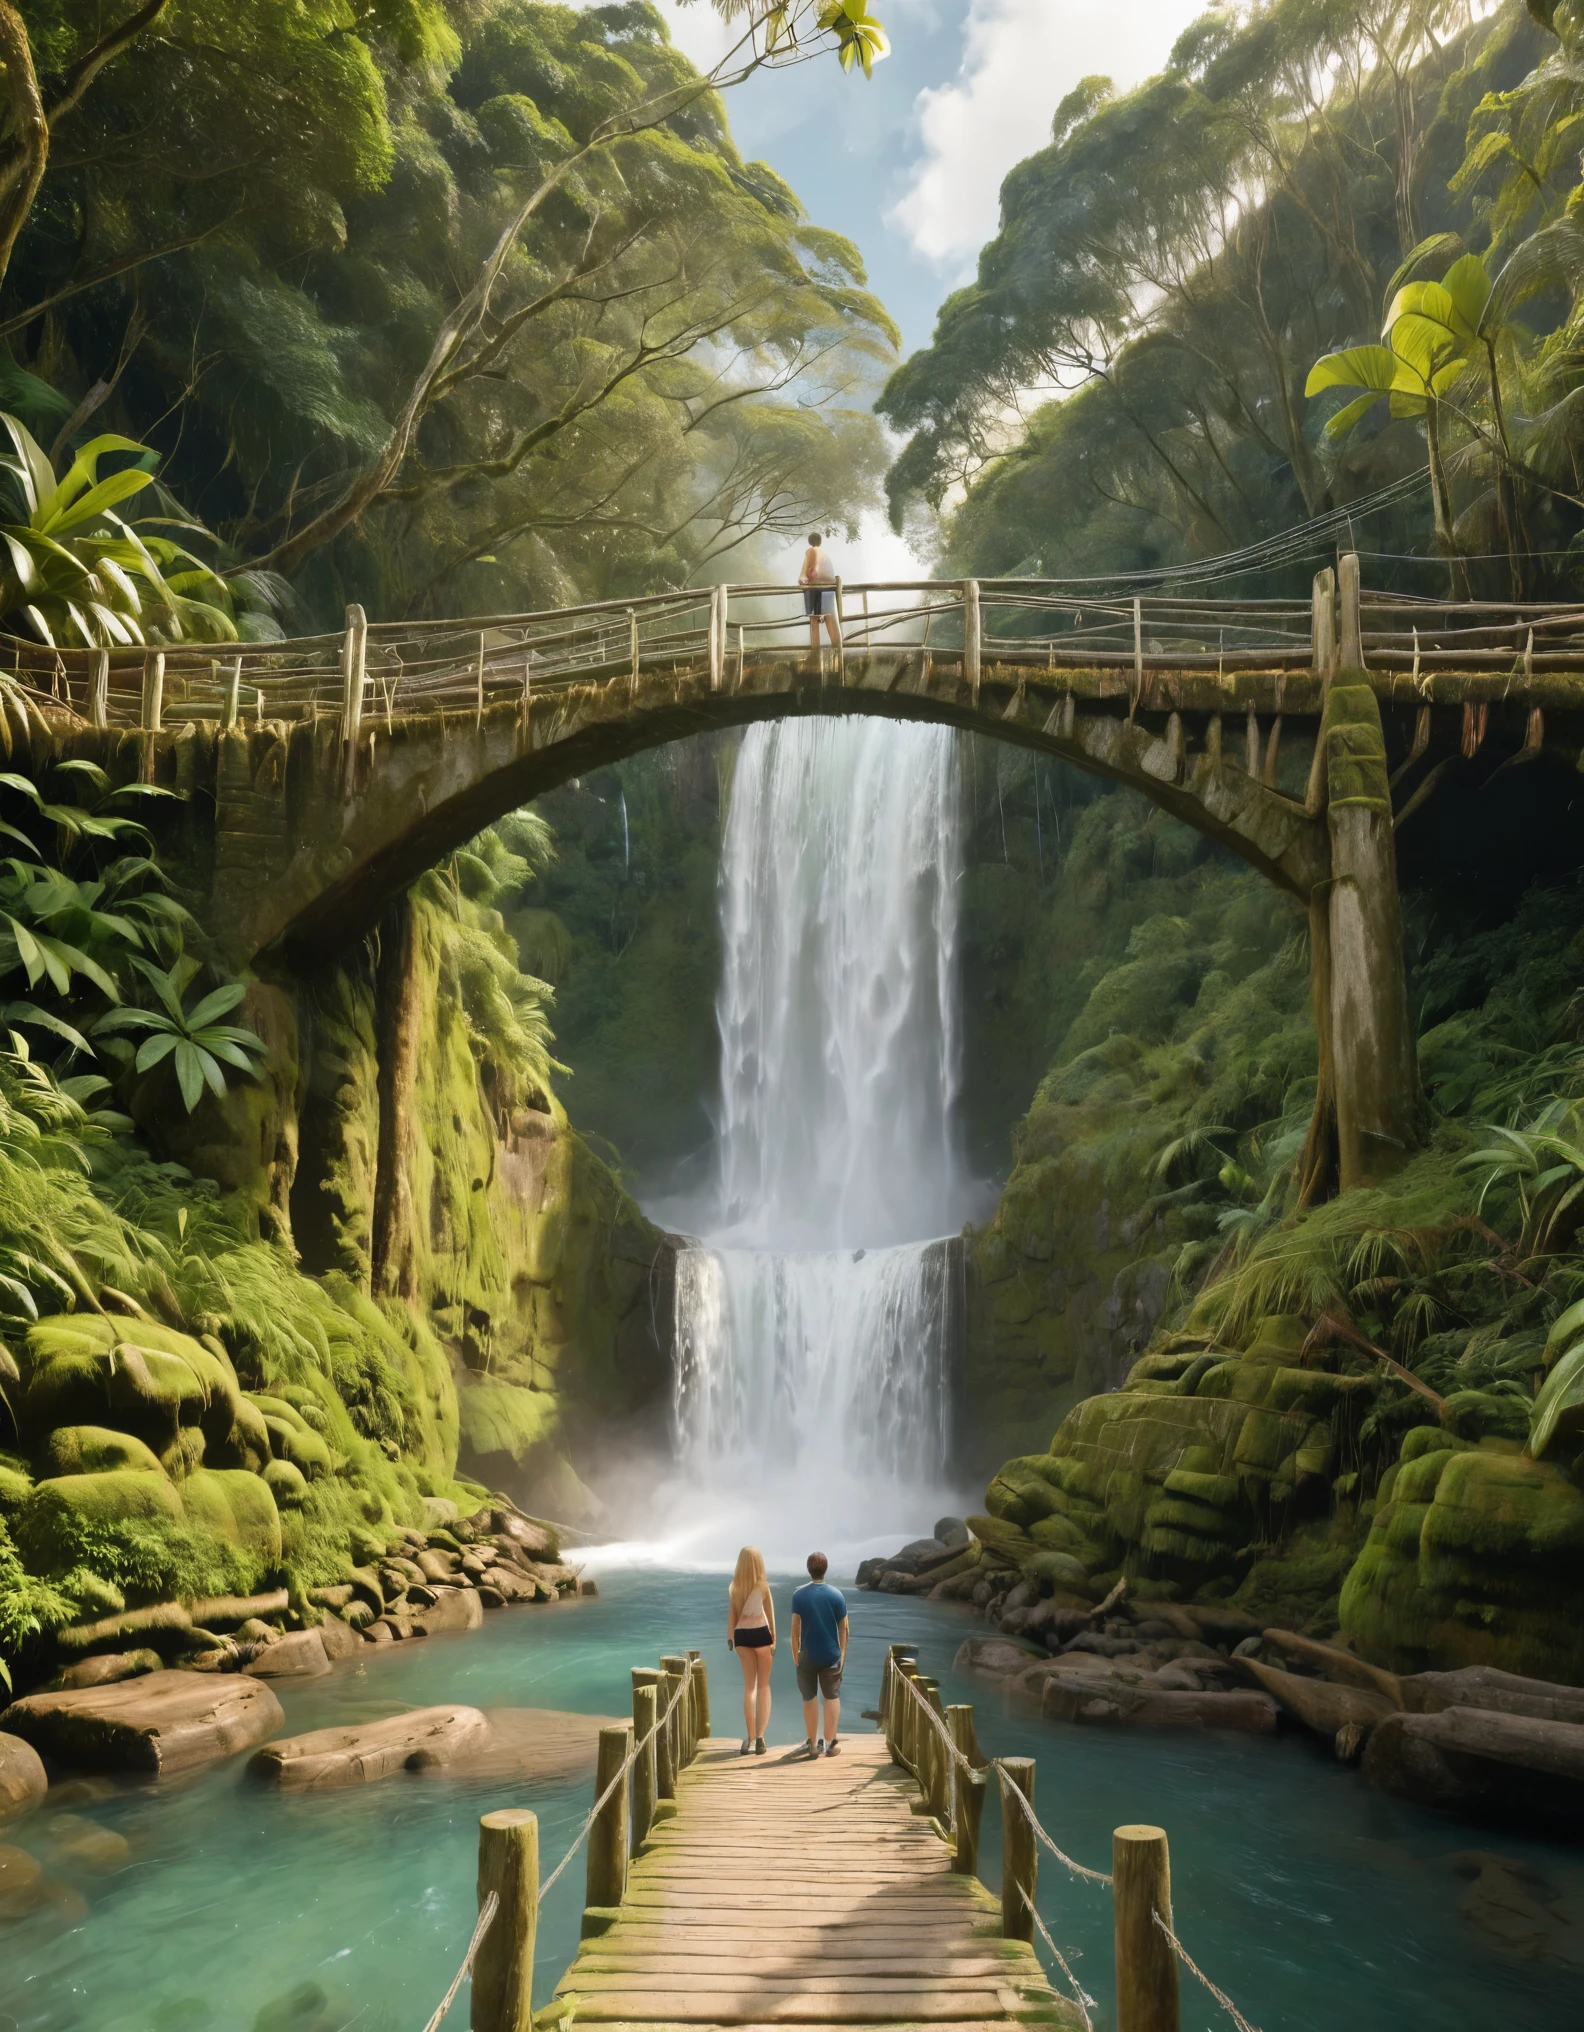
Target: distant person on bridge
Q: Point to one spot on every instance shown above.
(819, 1651)
(818, 580)
(750, 1632)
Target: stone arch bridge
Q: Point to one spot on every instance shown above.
(325, 774)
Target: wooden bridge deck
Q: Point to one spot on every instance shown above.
(785, 1891)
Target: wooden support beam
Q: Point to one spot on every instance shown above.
(1019, 1853)
(971, 635)
(1322, 625)
(717, 636)
(645, 1697)
(1146, 1963)
(610, 1834)
(508, 1865)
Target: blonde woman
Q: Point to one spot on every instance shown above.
(750, 1632)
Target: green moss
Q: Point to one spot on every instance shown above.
(92, 1449)
(237, 1507)
(1356, 772)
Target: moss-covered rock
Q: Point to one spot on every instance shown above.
(1475, 1557)
(94, 1449)
(237, 1507)
(116, 1496)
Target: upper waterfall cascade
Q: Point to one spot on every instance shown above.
(815, 1323)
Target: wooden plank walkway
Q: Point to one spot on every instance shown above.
(789, 1891)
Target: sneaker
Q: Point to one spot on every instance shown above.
(759, 1746)
(809, 1749)
(819, 1747)
(833, 1748)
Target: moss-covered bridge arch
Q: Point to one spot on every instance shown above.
(302, 831)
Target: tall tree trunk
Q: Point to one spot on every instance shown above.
(398, 1022)
(30, 134)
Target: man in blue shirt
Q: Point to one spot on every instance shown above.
(819, 1651)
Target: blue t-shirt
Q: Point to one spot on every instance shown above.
(820, 1609)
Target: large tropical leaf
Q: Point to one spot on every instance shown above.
(1559, 1409)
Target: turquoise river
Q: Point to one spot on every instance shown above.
(1313, 1901)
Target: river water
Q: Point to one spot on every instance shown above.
(1313, 1901)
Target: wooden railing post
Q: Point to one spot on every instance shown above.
(717, 636)
(841, 638)
(665, 1743)
(233, 705)
(674, 1668)
(701, 1707)
(1146, 1963)
(153, 706)
(632, 648)
(967, 1793)
(1322, 625)
(907, 1668)
(508, 1865)
(1351, 649)
(609, 1836)
(354, 656)
(645, 1699)
(896, 1703)
(99, 690)
(938, 1790)
(971, 635)
(1019, 1855)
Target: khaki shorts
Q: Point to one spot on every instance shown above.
(826, 1678)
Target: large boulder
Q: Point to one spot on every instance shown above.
(298, 1656)
(95, 1449)
(236, 1506)
(156, 1725)
(429, 1738)
(453, 1608)
(23, 1781)
(1475, 1557)
(1110, 1704)
(1471, 1761)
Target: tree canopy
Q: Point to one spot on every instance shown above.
(436, 304)
(1127, 382)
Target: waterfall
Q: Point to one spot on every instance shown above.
(815, 1323)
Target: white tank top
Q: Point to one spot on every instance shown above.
(751, 1616)
(824, 572)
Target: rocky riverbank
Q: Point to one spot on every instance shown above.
(1475, 1741)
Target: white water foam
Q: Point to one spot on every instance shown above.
(816, 1321)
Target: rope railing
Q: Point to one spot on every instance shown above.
(491, 1904)
(1194, 1969)
(1012, 1789)
(487, 1912)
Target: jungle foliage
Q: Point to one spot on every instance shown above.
(442, 305)
(1389, 191)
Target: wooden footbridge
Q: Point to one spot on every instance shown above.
(322, 776)
(725, 1890)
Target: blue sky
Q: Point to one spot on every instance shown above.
(910, 162)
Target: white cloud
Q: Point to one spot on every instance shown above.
(1020, 59)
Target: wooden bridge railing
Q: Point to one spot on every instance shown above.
(368, 672)
(940, 1748)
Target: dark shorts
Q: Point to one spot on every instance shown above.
(819, 600)
(752, 1640)
(826, 1679)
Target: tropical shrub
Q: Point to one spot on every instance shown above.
(79, 572)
